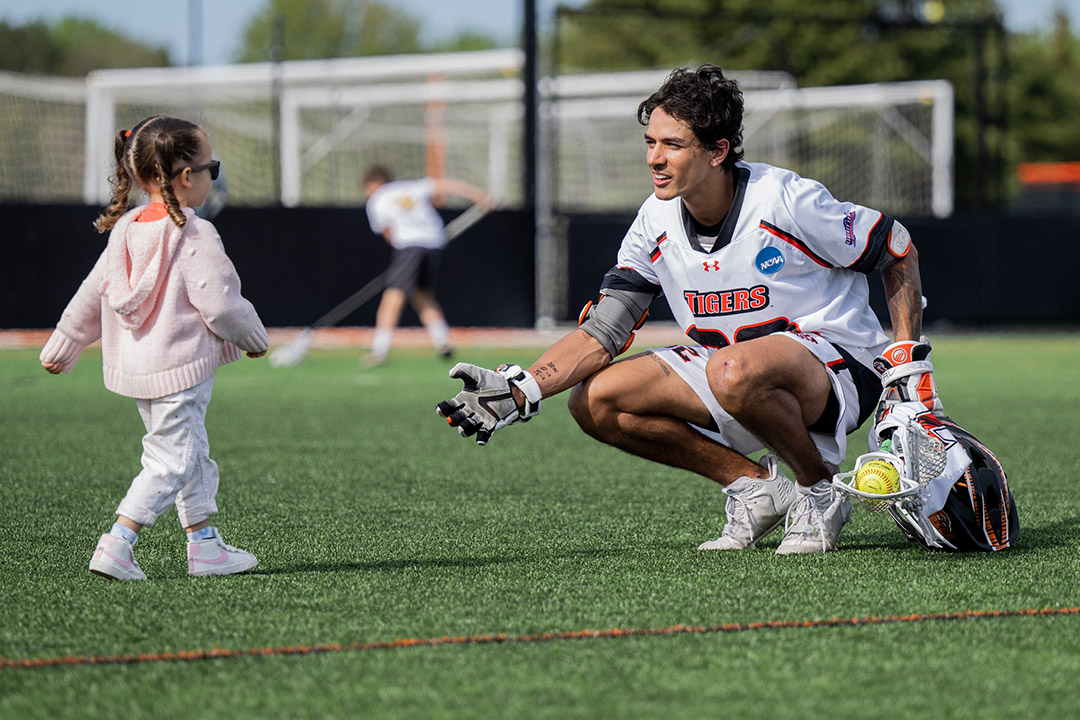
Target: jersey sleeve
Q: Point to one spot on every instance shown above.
(833, 233)
(375, 217)
(634, 264)
(423, 189)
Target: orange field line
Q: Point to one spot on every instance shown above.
(218, 653)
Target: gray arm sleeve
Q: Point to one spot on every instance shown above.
(615, 317)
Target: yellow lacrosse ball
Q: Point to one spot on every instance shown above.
(877, 476)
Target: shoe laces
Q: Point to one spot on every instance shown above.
(809, 510)
(738, 514)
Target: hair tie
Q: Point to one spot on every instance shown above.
(127, 134)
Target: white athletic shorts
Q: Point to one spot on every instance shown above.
(689, 362)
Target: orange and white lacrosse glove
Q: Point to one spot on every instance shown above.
(907, 376)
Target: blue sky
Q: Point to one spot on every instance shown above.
(166, 23)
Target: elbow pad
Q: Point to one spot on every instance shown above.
(613, 319)
(897, 245)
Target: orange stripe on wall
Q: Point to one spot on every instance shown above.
(1049, 173)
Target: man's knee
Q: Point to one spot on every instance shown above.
(578, 404)
(590, 405)
(732, 380)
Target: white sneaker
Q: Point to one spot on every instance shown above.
(755, 507)
(214, 557)
(113, 558)
(815, 520)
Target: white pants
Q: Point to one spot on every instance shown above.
(176, 460)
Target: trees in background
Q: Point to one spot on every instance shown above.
(316, 29)
(1016, 95)
(72, 47)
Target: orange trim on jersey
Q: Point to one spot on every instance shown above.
(795, 242)
(837, 365)
(153, 211)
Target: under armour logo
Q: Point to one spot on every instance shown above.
(711, 265)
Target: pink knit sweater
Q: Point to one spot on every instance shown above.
(165, 303)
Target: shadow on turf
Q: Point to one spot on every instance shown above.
(464, 562)
(1031, 539)
(1060, 534)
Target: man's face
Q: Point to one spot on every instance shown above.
(677, 159)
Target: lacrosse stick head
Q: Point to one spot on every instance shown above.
(917, 456)
(293, 351)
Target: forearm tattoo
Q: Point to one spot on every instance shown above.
(546, 372)
(903, 288)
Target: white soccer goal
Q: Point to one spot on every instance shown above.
(888, 146)
(42, 132)
(301, 132)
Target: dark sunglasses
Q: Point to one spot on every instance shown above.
(214, 166)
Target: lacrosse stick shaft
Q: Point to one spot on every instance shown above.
(350, 304)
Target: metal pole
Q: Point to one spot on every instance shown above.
(195, 27)
(529, 78)
(277, 54)
(980, 115)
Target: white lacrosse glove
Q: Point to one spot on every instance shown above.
(486, 403)
(907, 376)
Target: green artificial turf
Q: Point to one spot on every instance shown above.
(374, 522)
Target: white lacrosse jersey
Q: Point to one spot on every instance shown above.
(404, 208)
(789, 256)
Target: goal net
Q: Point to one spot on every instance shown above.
(302, 132)
(886, 146)
(42, 131)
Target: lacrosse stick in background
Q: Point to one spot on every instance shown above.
(296, 349)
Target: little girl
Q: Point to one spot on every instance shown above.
(165, 300)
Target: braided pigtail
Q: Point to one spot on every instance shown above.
(120, 181)
(165, 154)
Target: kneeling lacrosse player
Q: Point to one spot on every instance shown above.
(766, 273)
(953, 494)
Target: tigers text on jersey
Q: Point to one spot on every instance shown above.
(789, 257)
(404, 208)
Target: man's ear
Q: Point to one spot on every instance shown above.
(723, 147)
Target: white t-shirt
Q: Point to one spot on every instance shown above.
(404, 208)
(789, 257)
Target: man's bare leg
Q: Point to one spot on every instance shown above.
(775, 388)
(641, 406)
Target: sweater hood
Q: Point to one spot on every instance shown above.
(138, 259)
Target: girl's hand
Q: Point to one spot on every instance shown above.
(256, 355)
(54, 368)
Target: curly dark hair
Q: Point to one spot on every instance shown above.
(704, 99)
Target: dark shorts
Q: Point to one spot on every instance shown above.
(868, 384)
(414, 268)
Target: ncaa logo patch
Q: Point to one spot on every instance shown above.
(769, 260)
